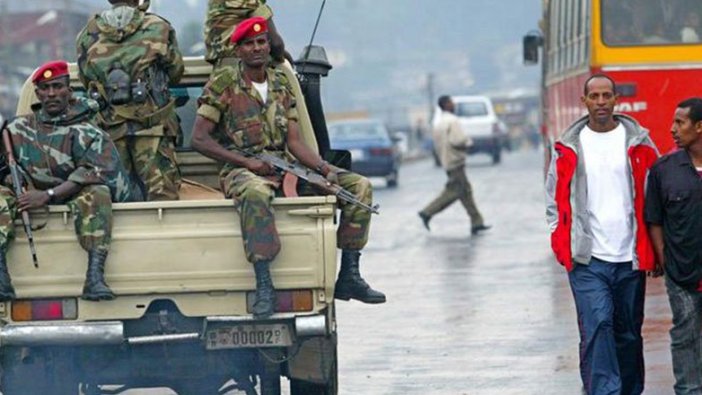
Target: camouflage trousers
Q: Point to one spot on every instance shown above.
(253, 195)
(151, 164)
(92, 217)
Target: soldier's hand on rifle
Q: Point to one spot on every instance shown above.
(330, 172)
(333, 174)
(259, 167)
(32, 199)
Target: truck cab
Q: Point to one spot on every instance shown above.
(182, 316)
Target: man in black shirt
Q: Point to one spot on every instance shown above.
(674, 213)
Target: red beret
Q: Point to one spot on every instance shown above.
(249, 28)
(49, 71)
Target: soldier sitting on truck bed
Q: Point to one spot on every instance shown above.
(69, 161)
(250, 105)
(126, 60)
(222, 18)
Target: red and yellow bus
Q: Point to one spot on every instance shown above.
(651, 48)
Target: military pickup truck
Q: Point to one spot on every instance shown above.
(182, 317)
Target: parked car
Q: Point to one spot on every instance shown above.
(479, 122)
(373, 151)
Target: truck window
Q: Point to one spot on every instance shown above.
(186, 108)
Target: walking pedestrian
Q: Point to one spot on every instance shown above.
(595, 197)
(451, 144)
(674, 215)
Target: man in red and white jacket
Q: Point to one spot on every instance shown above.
(595, 199)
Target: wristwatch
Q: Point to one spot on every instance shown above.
(51, 193)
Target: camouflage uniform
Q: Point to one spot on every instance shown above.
(222, 18)
(50, 151)
(144, 125)
(245, 121)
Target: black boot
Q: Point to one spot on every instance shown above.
(264, 306)
(7, 292)
(350, 285)
(95, 287)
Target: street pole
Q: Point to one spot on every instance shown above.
(430, 98)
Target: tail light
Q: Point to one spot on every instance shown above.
(381, 151)
(286, 301)
(45, 310)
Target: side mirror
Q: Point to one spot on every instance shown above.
(531, 42)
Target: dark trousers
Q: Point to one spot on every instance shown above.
(686, 338)
(609, 298)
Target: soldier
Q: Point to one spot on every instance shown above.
(222, 18)
(250, 105)
(68, 161)
(126, 60)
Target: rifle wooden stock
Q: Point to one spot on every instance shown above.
(311, 177)
(17, 186)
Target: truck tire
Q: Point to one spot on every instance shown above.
(301, 387)
(392, 179)
(496, 155)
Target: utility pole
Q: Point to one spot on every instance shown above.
(430, 95)
(430, 92)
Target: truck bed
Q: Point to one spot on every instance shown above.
(190, 252)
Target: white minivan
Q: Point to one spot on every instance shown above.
(479, 122)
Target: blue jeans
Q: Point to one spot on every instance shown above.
(685, 338)
(609, 299)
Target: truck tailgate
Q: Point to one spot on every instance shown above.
(193, 248)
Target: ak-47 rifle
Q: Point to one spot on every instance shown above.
(17, 186)
(310, 176)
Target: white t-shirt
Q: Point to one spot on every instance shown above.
(609, 200)
(262, 89)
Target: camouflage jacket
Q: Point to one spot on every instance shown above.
(222, 18)
(145, 47)
(242, 118)
(68, 148)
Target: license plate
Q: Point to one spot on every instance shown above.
(248, 336)
(356, 154)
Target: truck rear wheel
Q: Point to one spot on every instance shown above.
(301, 387)
(331, 387)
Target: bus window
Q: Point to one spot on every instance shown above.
(651, 22)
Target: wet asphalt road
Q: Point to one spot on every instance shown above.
(482, 315)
